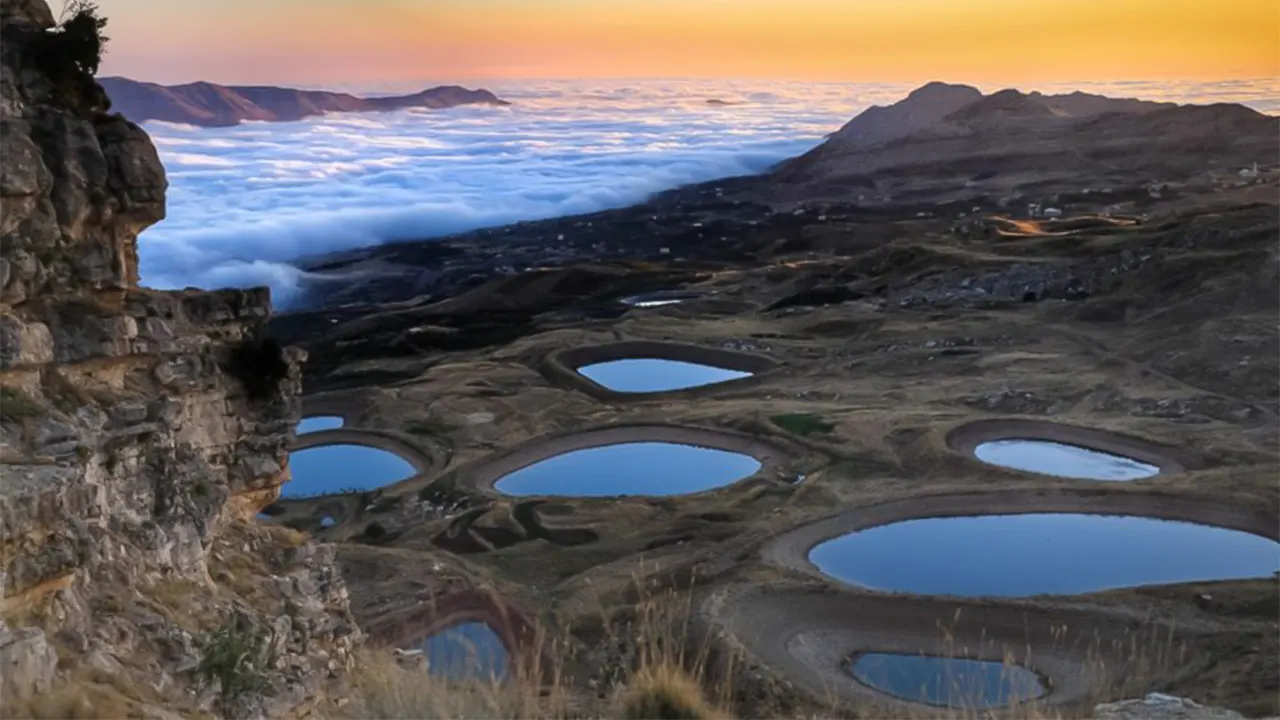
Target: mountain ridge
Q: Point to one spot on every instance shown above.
(207, 104)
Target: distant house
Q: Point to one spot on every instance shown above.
(1052, 212)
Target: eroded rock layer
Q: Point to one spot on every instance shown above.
(139, 433)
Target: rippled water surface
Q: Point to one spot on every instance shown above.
(341, 468)
(645, 375)
(1044, 553)
(1070, 461)
(316, 423)
(466, 650)
(642, 468)
(947, 682)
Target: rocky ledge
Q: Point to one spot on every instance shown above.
(139, 432)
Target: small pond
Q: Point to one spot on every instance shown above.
(1042, 553)
(947, 682)
(336, 468)
(648, 375)
(658, 299)
(469, 650)
(640, 468)
(316, 423)
(1069, 461)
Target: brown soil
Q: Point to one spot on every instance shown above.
(904, 342)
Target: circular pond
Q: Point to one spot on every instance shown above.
(946, 682)
(1040, 554)
(316, 423)
(649, 375)
(345, 467)
(469, 650)
(1062, 460)
(634, 468)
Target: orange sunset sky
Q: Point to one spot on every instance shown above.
(318, 42)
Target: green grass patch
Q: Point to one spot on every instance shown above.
(803, 424)
(17, 405)
(232, 656)
(428, 427)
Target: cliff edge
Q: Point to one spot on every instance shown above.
(139, 433)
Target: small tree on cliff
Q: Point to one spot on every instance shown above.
(82, 40)
(69, 55)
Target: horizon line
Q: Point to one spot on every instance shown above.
(689, 78)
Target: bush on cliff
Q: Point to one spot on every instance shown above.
(260, 364)
(70, 54)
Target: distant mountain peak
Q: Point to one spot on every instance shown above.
(211, 105)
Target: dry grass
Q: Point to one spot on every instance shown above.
(665, 691)
(662, 682)
(385, 690)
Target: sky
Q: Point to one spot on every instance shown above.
(324, 43)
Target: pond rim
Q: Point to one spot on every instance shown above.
(561, 367)
(1168, 459)
(487, 472)
(792, 548)
(1043, 681)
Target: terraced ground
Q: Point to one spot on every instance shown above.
(895, 336)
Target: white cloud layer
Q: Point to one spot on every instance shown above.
(246, 200)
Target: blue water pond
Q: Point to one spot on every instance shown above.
(316, 423)
(947, 682)
(641, 468)
(327, 469)
(647, 375)
(1069, 461)
(1037, 554)
(469, 650)
(658, 299)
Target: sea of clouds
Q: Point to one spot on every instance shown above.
(245, 201)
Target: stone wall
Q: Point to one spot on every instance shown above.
(139, 433)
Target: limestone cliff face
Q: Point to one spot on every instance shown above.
(139, 433)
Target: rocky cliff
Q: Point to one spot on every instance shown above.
(139, 433)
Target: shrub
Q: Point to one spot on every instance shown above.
(260, 364)
(664, 692)
(802, 424)
(16, 404)
(231, 656)
(83, 41)
(71, 53)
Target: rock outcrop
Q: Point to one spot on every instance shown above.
(139, 433)
(211, 105)
(1157, 706)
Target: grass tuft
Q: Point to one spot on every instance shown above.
(664, 692)
(17, 405)
(803, 424)
(231, 656)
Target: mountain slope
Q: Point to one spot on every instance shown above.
(944, 138)
(211, 105)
